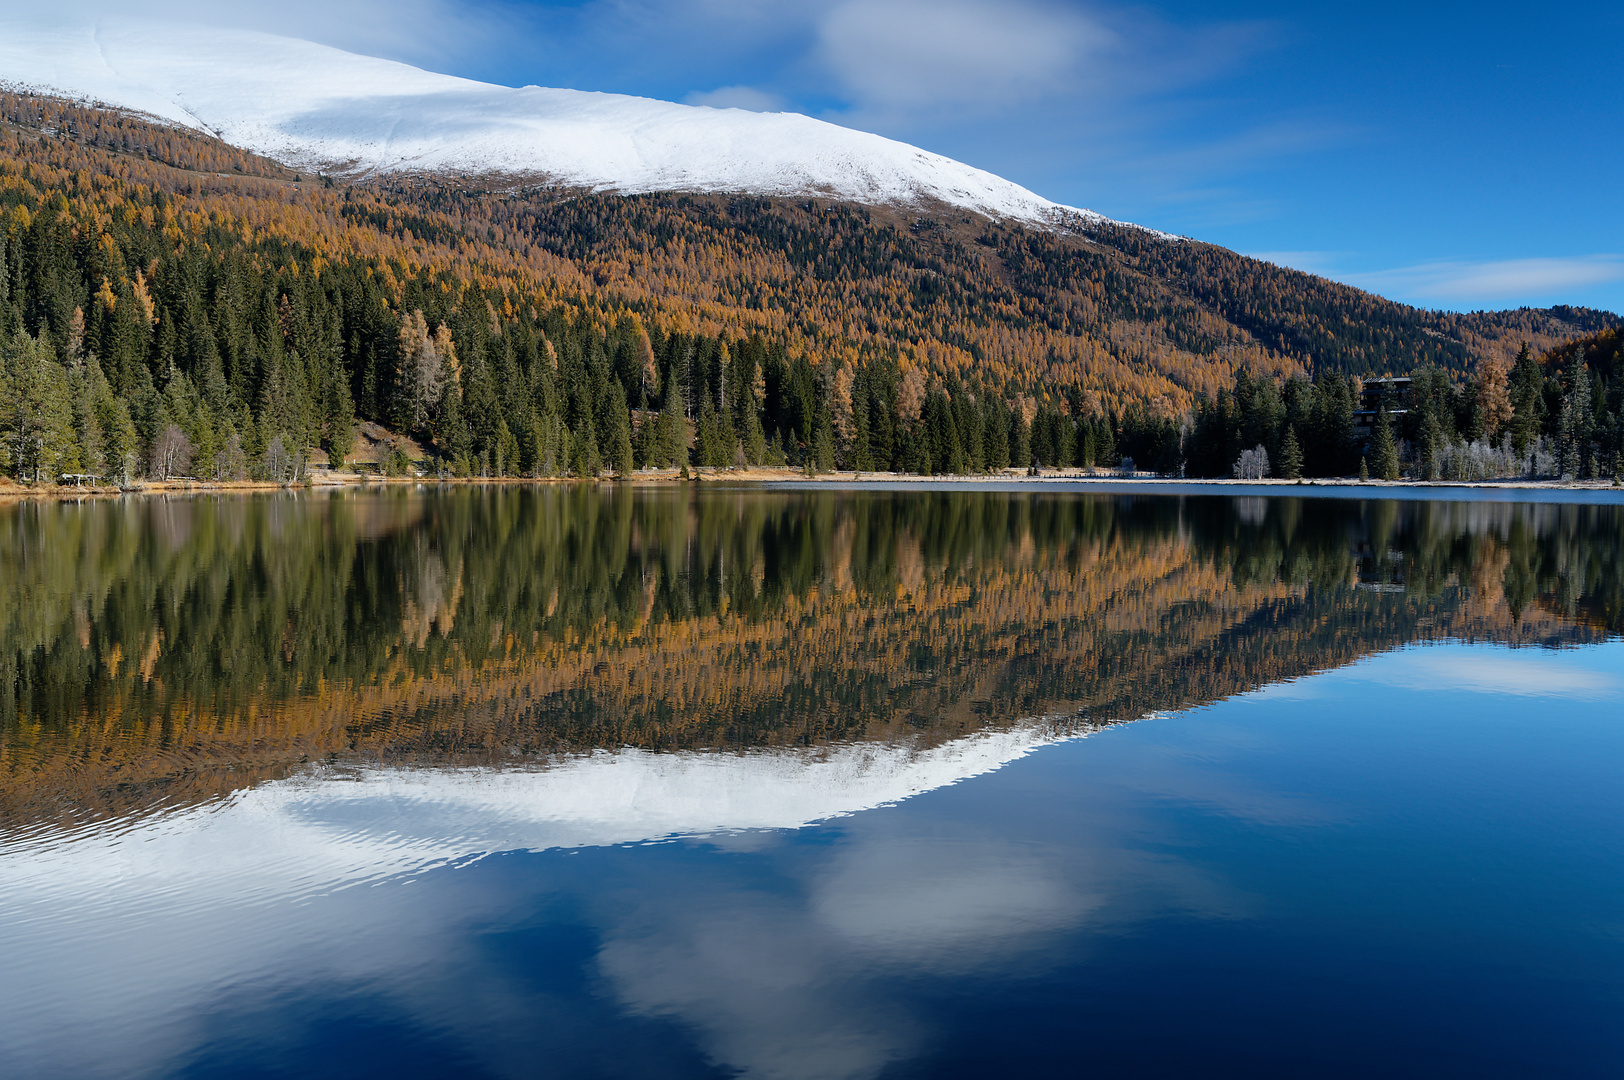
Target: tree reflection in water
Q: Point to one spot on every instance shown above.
(166, 650)
(222, 716)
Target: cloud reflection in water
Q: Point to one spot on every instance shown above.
(135, 930)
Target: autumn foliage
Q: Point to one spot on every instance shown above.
(172, 305)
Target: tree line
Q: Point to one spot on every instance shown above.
(1563, 417)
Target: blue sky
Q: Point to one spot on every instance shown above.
(1449, 155)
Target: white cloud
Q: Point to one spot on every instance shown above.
(1323, 263)
(737, 97)
(916, 54)
(764, 990)
(1455, 669)
(943, 904)
(1466, 283)
(1500, 671)
(1461, 283)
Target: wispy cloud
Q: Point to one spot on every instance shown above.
(737, 97)
(1462, 283)
(921, 55)
(901, 60)
(1323, 263)
(1465, 282)
(1497, 671)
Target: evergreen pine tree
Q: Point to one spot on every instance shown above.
(708, 446)
(1105, 446)
(1291, 455)
(727, 439)
(36, 408)
(533, 450)
(1020, 437)
(1330, 446)
(1582, 419)
(643, 442)
(338, 414)
(121, 448)
(1044, 427)
(1087, 445)
(1432, 447)
(750, 434)
(548, 437)
(823, 447)
(85, 379)
(1384, 448)
(566, 449)
(455, 440)
(1527, 401)
(506, 456)
(620, 438)
(913, 451)
(585, 461)
(1065, 442)
(995, 431)
(946, 451)
(1567, 439)
(671, 431)
(972, 442)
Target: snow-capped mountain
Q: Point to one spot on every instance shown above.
(316, 107)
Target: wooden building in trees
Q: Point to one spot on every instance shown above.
(1392, 394)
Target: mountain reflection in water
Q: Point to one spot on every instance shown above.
(161, 652)
(275, 711)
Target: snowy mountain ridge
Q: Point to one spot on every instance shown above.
(320, 108)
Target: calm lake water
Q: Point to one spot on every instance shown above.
(719, 781)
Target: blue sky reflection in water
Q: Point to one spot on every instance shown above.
(1411, 864)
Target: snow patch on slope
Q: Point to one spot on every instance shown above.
(316, 107)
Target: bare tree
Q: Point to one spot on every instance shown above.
(282, 465)
(171, 454)
(1253, 464)
(231, 463)
(421, 372)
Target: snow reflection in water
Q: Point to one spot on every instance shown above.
(333, 828)
(137, 926)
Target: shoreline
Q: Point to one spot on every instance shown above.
(1603, 491)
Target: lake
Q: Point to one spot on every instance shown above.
(712, 781)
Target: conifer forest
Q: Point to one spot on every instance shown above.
(172, 307)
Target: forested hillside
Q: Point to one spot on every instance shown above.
(171, 306)
(1120, 314)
